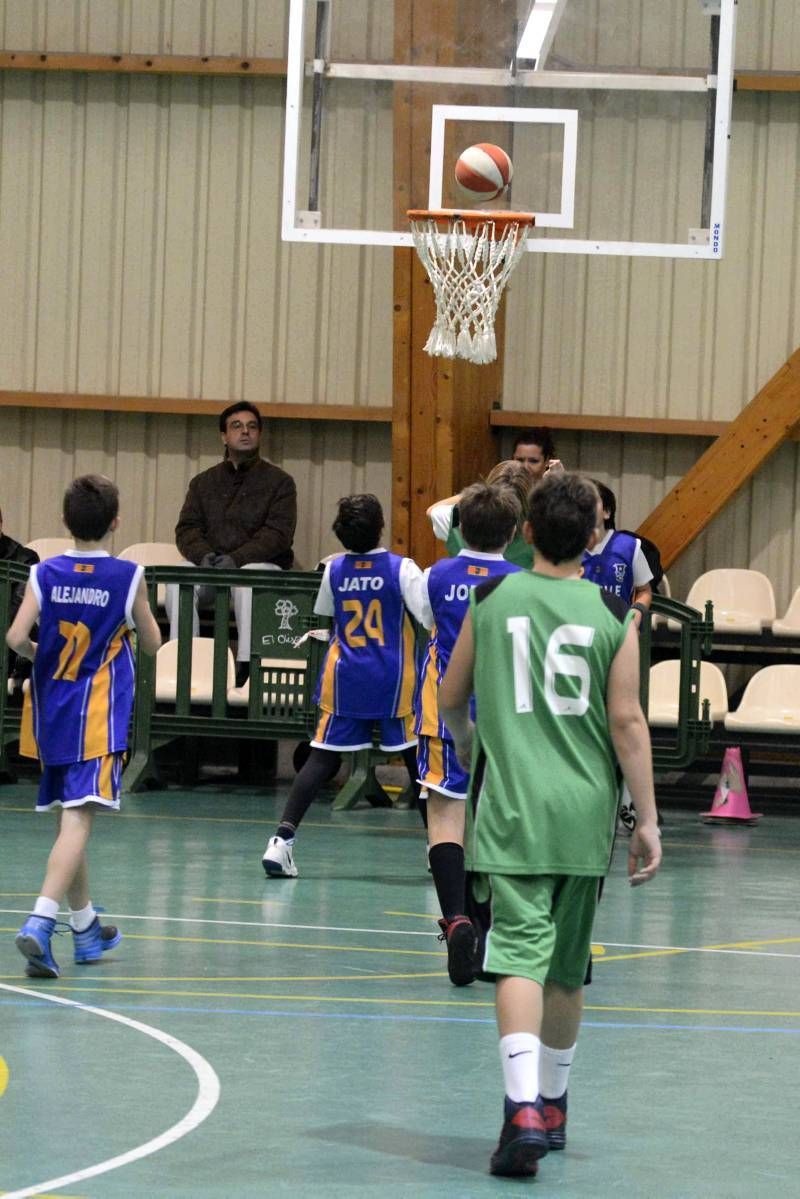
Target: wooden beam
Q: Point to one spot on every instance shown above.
(442, 438)
(727, 464)
(608, 424)
(143, 64)
(767, 81)
(67, 401)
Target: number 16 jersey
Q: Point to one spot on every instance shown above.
(82, 681)
(369, 671)
(543, 793)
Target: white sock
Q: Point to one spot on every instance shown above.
(519, 1055)
(45, 907)
(554, 1067)
(81, 920)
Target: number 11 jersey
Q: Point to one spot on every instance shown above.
(369, 671)
(82, 681)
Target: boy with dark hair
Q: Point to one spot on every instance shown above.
(369, 673)
(618, 563)
(489, 517)
(87, 605)
(554, 665)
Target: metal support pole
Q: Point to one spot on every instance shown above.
(321, 55)
(708, 149)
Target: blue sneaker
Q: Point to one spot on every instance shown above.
(33, 942)
(92, 943)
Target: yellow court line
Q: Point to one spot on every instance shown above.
(663, 953)
(259, 902)
(407, 1002)
(643, 953)
(416, 953)
(255, 978)
(338, 827)
(414, 915)
(3, 1075)
(14, 895)
(691, 1011)
(283, 998)
(756, 944)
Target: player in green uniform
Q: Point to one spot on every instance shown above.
(553, 661)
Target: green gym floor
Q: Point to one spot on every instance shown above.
(254, 1037)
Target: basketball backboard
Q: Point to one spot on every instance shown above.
(616, 114)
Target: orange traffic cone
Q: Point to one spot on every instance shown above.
(731, 805)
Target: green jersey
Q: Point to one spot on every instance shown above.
(544, 788)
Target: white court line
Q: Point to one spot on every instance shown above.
(402, 932)
(316, 928)
(208, 1088)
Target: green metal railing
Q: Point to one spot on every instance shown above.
(280, 704)
(694, 727)
(12, 574)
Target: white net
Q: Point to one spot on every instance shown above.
(468, 268)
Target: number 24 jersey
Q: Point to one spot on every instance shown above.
(369, 671)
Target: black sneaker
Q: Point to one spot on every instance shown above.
(523, 1140)
(555, 1118)
(462, 949)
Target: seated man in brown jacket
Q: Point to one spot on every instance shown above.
(240, 513)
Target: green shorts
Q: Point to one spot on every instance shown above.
(541, 925)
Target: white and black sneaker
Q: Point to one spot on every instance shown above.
(278, 859)
(627, 816)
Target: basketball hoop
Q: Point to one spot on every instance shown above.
(469, 257)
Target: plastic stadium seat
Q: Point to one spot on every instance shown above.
(202, 671)
(743, 600)
(50, 547)
(788, 625)
(770, 704)
(664, 692)
(154, 553)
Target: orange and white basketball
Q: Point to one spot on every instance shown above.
(484, 171)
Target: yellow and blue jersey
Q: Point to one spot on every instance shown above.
(449, 583)
(82, 681)
(369, 670)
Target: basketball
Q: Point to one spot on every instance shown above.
(484, 171)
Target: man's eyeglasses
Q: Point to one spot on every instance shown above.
(236, 426)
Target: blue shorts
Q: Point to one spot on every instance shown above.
(439, 769)
(347, 733)
(97, 780)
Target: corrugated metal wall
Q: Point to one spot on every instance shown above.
(140, 251)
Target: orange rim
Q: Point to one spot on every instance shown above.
(472, 216)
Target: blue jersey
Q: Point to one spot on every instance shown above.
(82, 682)
(612, 569)
(369, 669)
(449, 584)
